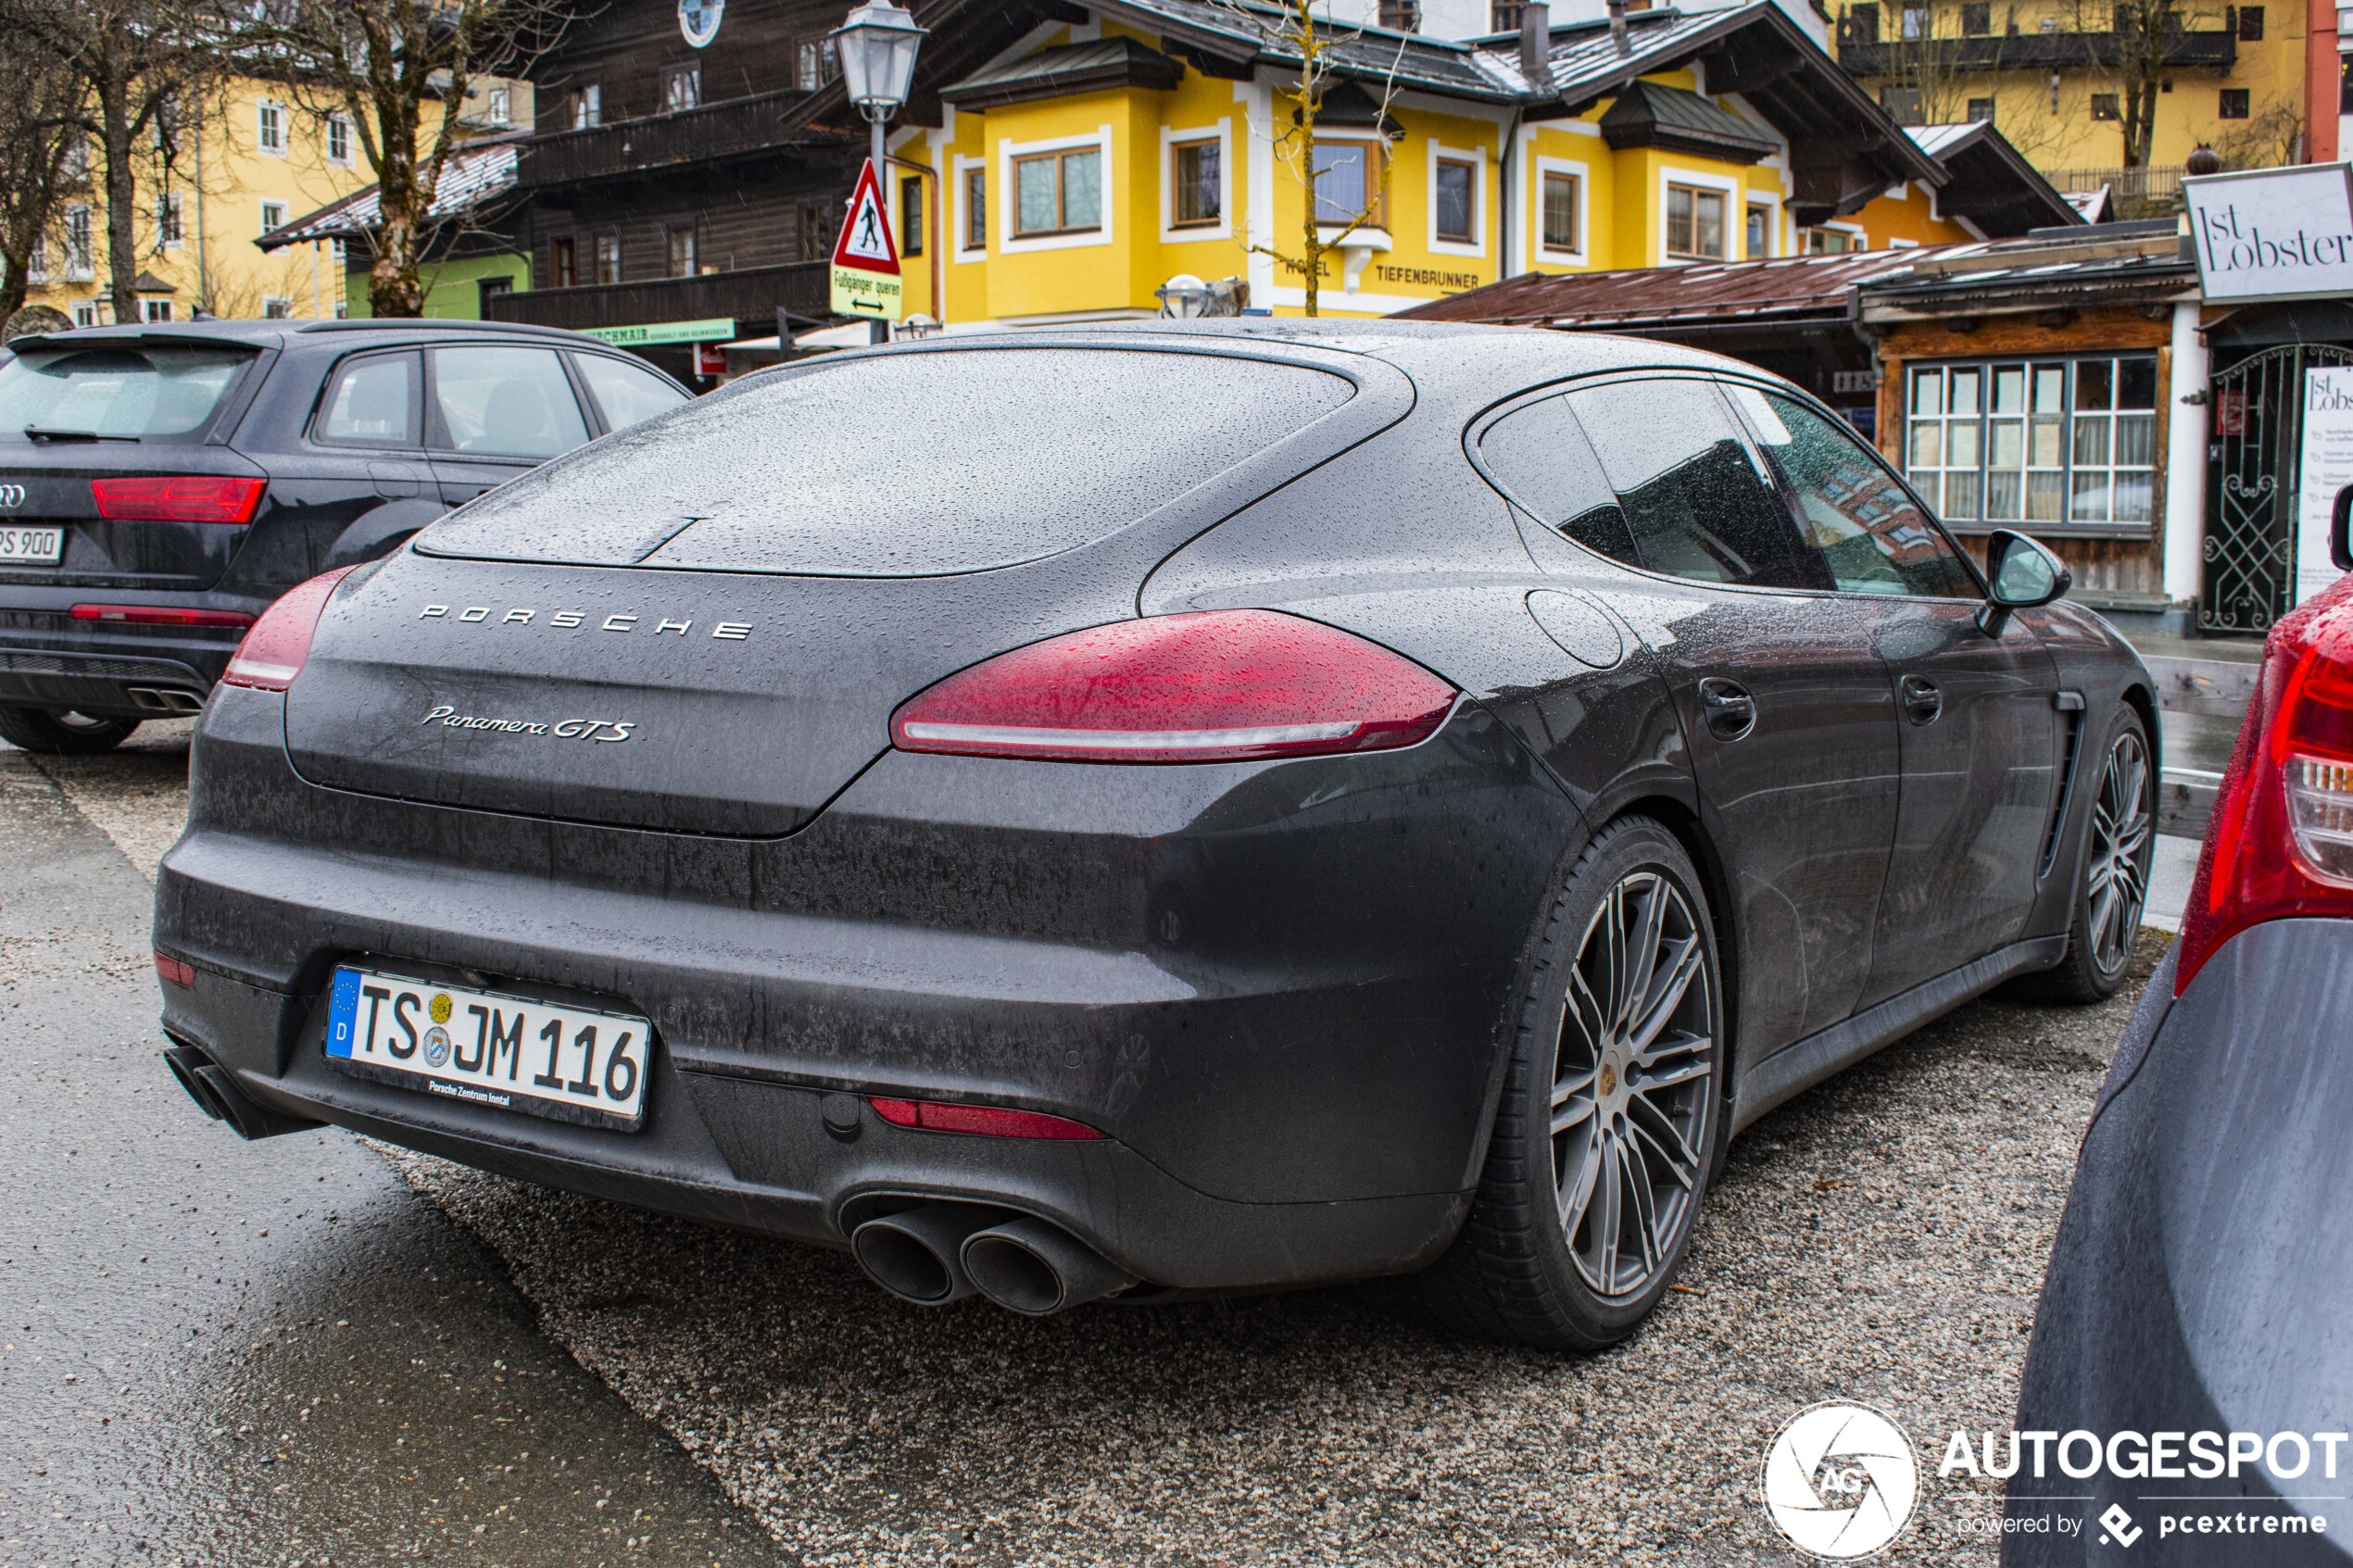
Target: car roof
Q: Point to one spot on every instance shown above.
(278, 334)
(1464, 359)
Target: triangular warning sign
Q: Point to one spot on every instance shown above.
(865, 242)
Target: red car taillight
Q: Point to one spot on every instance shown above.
(2281, 843)
(1206, 686)
(183, 499)
(271, 654)
(988, 1121)
(160, 615)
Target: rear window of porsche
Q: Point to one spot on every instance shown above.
(899, 465)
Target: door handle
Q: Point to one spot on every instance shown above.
(1922, 702)
(1725, 708)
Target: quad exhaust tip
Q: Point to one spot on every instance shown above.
(217, 1094)
(165, 699)
(938, 1253)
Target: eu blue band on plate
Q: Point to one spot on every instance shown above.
(343, 1012)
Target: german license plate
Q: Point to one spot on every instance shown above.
(569, 1064)
(32, 546)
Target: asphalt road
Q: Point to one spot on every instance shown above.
(229, 1354)
(1881, 1238)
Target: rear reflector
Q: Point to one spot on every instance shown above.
(1206, 686)
(271, 654)
(989, 1121)
(176, 970)
(160, 615)
(188, 499)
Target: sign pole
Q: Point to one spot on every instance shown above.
(877, 331)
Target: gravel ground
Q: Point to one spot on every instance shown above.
(1881, 1238)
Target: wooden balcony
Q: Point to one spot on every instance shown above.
(2210, 47)
(712, 133)
(750, 297)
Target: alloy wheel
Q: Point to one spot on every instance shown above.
(2116, 880)
(1633, 1083)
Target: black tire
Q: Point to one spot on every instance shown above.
(1520, 1271)
(62, 734)
(2120, 840)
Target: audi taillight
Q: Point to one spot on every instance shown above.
(161, 615)
(191, 498)
(271, 654)
(1206, 686)
(2281, 843)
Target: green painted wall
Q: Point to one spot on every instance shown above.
(452, 288)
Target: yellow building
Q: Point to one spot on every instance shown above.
(225, 169)
(2060, 81)
(1074, 168)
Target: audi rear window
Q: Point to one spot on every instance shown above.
(116, 391)
(901, 465)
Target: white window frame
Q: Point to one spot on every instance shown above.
(268, 112)
(81, 268)
(1004, 242)
(1223, 134)
(85, 313)
(171, 222)
(1477, 158)
(1582, 174)
(499, 105)
(1773, 224)
(155, 310)
(1846, 228)
(1379, 159)
(1734, 200)
(343, 123)
(963, 164)
(285, 215)
(283, 304)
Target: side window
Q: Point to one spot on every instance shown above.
(506, 402)
(1694, 498)
(371, 402)
(1870, 533)
(626, 393)
(1544, 462)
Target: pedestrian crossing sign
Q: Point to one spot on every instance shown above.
(865, 269)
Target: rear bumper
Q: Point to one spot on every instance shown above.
(50, 660)
(1280, 989)
(2199, 1281)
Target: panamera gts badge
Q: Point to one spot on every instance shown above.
(572, 619)
(603, 731)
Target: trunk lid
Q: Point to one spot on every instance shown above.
(703, 624)
(126, 408)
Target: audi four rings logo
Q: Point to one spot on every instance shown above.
(11, 497)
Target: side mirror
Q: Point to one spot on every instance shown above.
(2340, 538)
(2024, 575)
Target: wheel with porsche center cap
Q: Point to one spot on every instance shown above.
(2120, 841)
(1612, 1110)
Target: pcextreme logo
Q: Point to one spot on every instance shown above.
(1841, 1481)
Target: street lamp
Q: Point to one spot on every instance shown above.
(877, 45)
(1184, 297)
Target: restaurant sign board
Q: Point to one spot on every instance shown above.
(2273, 234)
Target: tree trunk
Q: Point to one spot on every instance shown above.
(13, 287)
(1314, 251)
(123, 190)
(393, 287)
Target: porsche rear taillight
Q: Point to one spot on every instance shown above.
(271, 654)
(1206, 686)
(2281, 843)
(178, 498)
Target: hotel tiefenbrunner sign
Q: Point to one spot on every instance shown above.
(2273, 234)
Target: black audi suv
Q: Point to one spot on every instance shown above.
(1122, 813)
(161, 485)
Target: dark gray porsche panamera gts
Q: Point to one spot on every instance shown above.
(1141, 812)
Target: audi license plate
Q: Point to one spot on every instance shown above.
(570, 1064)
(32, 546)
